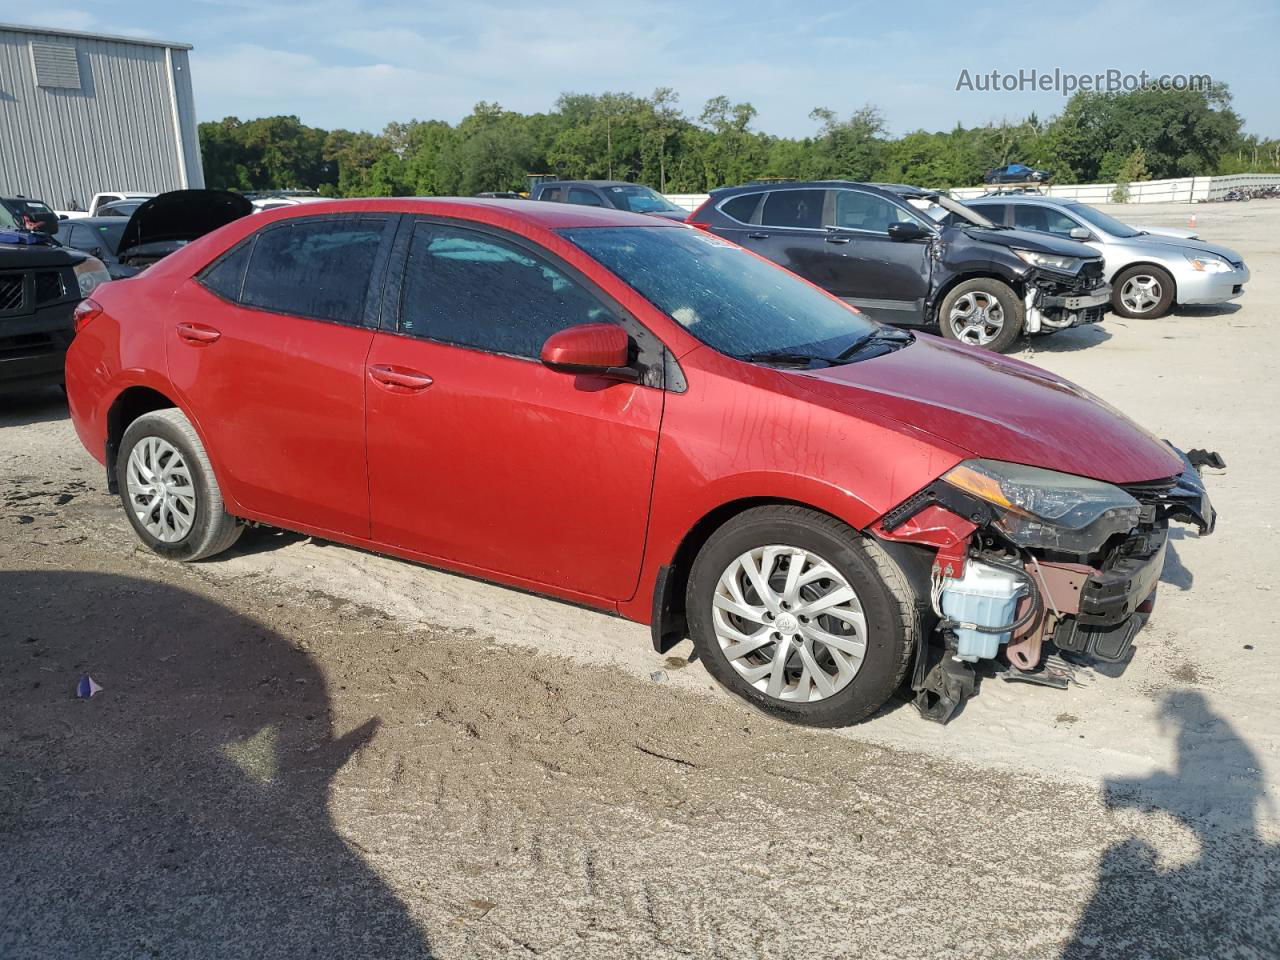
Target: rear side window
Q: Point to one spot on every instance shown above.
(741, 208)
(793, 208)
(992, 211)
(313, 268)
(225, 276)
(584, 198)
(475, 290)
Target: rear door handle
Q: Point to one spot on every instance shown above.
(837, 239)
(757, 236)
(198, 333)
(401, 377)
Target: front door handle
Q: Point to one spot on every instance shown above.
(399, 377)
(838, 239)
(198, 333)
(757, 236)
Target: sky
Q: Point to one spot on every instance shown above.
(362, 63)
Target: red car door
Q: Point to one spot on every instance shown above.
(480, 455)
(268, 348)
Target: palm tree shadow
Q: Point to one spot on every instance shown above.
(183, 811)
(1226, 902)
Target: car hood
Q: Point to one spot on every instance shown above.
(999, 409)
(1181, 233)
(1029, 240)
(181, 216)
(1172, 246)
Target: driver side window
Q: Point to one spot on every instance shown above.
(1042, 219)
(863, 211)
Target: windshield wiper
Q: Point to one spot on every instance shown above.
(785, 357)
(875, 336)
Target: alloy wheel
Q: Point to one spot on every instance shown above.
(789, 623)
(976, 318)
(161, 492)
(1141, 293)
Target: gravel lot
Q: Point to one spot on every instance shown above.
(302, 749)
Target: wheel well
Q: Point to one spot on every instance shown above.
(1173, 281)
(128, 407)
(941, 294)
(669, 626)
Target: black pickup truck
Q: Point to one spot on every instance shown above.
(39, 290)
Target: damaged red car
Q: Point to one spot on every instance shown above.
(637, 416)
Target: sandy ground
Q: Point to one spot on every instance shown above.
(303, 749)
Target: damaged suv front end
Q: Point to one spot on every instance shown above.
(1039, 570)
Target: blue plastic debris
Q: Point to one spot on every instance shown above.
(22, 237)
(87, 687)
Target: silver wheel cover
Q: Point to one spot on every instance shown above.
(789, 623)
(1141, 293)
(976, 318)
(161, 492)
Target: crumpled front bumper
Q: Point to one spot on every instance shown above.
(1188, 501)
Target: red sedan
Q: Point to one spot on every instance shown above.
(635, 415)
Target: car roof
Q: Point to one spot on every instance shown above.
(1024, 198)
(591, 183)
(801, 185)
(550, 216)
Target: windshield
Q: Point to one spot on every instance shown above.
(1100, 220)
(729, 299)
(639, 199)
(7, 222)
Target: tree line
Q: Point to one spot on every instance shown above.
(1098, 137)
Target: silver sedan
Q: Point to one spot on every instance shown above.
(1149, 272)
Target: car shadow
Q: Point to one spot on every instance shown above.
(32, 406)
(1205, 309)
(1065, 341)
(1226, 902)
(1175, 573)
(183, 810)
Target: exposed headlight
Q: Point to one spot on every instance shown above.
(1050, 261)
(1209, 264)
(1044, 508)
(91, 273)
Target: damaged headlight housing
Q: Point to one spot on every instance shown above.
(1050, 261)
(1047, 509)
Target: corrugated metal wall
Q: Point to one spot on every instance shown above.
(117, 132)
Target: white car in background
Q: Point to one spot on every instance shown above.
(286, 198)
(1150, 271)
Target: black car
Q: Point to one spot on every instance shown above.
(28, 214)
(618, 194)
(870, 246)
(1016, 173)
(99, 237)
(39, 290)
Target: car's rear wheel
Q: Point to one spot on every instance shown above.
(982, 313)
(169, 491)
(801, 616)
(1142, 292)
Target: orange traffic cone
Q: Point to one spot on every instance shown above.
(1192, 222)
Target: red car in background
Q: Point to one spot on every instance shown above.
(637, 416)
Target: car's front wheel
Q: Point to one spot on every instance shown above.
(169, 491)
(801, 616)
(982, 313)
(1142, 292)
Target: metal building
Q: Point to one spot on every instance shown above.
(82, 113)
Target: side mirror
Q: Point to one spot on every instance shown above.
(1080, 233)
(594, 349)
(906, 230)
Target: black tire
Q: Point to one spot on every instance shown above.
(982, 291)
(212, 530)
(1158, 276)
(888, 603)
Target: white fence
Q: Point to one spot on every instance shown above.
(1182, 190)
